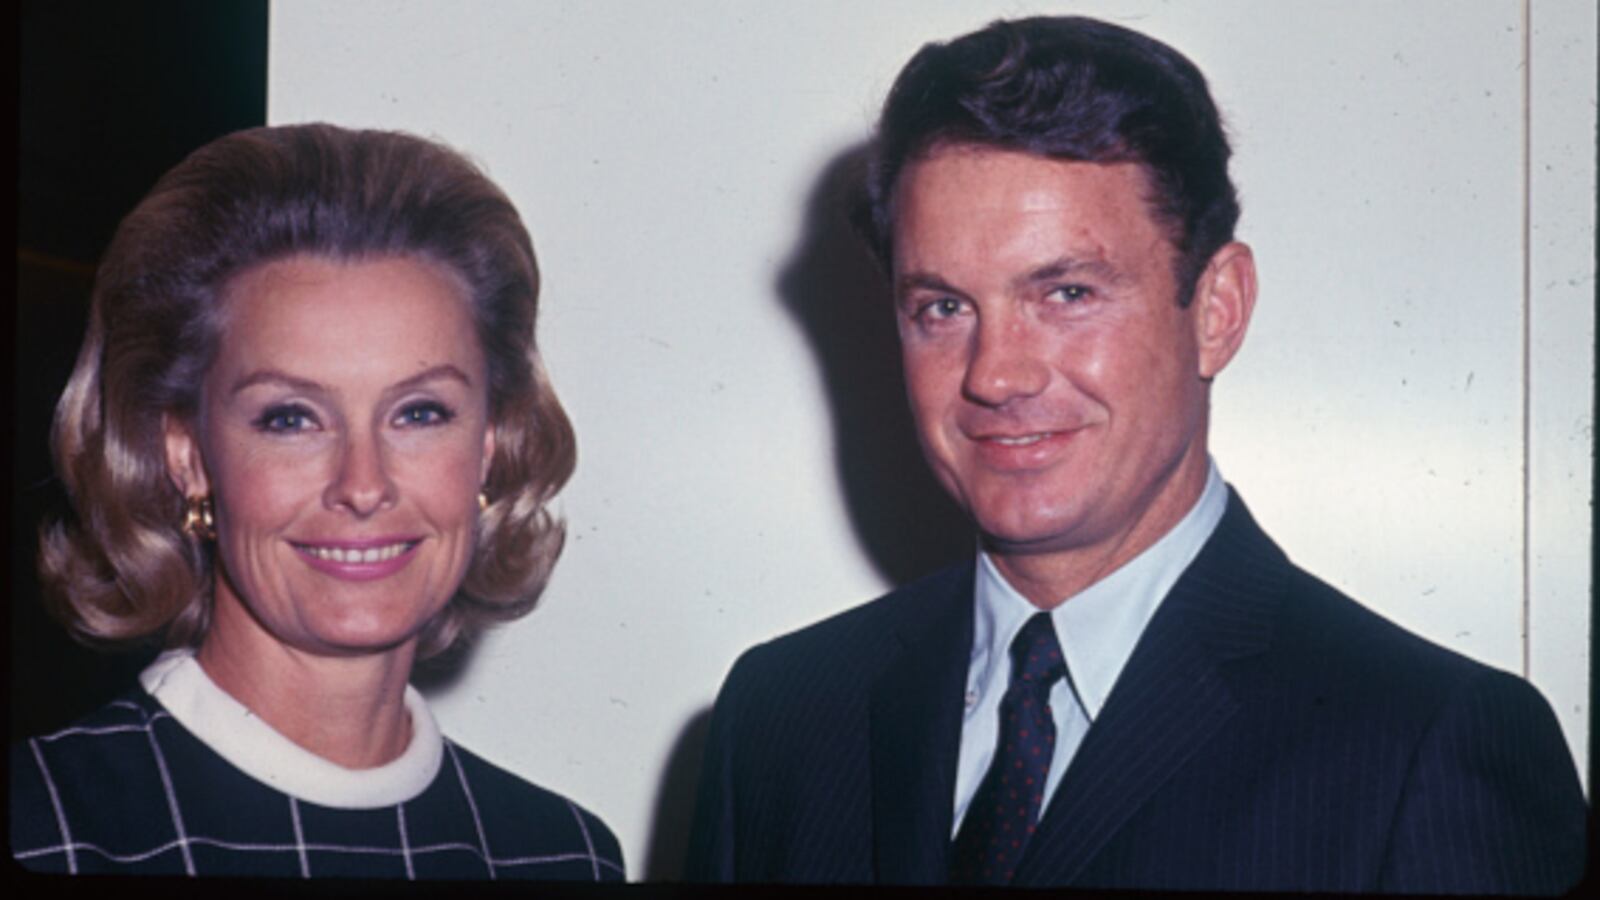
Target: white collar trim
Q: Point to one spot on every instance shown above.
(243, 739)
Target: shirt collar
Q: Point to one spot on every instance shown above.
(1099, 626)
(239, 736)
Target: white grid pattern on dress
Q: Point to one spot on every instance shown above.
(303, 848)
(562, 857)
(76, 730)
(472, 804)
(588, 842)
(299, 838)
(279, 848)
(405, 841)
(55, 801)
(74, 848)
(172, 797)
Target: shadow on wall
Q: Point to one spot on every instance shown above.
(674, 811)
(901, 516)
(840, 297)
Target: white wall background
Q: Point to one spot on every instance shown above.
(1410, 417)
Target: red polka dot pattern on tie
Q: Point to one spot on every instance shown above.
(995, 832)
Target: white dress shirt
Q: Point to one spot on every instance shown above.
(1098, 628)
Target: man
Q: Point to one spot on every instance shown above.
(1131, 686)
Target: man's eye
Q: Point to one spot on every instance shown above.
(942, 308)
(1070, 293)
(285, 419)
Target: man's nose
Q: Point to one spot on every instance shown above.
(361, 481)
(1005, 364)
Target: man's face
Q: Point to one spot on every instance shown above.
(1055, 379)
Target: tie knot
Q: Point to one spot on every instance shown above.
(1036, 654)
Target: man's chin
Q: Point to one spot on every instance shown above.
(1035, 539)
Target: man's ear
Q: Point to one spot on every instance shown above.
(184, 465)
(1224, 298)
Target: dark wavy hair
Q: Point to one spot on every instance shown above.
(125, 569)
(1068, 88)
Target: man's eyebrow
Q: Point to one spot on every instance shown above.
(1061, 267)
(924, 280)
(306, 385)
(1065, 266)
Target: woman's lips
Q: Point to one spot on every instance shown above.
(359, 560)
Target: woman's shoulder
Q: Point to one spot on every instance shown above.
(99, 739)
(529, 826)
(130, 709)
(102, 766)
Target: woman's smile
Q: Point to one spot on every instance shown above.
(360, 561)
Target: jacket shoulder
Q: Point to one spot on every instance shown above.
(1327, 629)
(1488, 798)
(851, 645)
(787, 742)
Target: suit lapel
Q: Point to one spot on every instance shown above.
(1169, 700)
(915, 726)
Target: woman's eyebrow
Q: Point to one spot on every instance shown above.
(443, 370)
(305, 385)
(277, 376)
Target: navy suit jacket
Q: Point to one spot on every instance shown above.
(1268, 733)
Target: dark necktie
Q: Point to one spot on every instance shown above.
(1005, 810)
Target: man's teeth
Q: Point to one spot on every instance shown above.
(1020, 441)
(368, 555)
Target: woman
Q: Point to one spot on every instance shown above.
(309, 440)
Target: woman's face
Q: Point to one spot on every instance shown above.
(344, 436)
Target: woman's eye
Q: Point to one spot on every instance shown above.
(285, 419)
(424, 414)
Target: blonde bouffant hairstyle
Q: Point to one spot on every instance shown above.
(124, 569)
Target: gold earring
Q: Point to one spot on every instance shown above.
(483, 501)
(198, 518)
